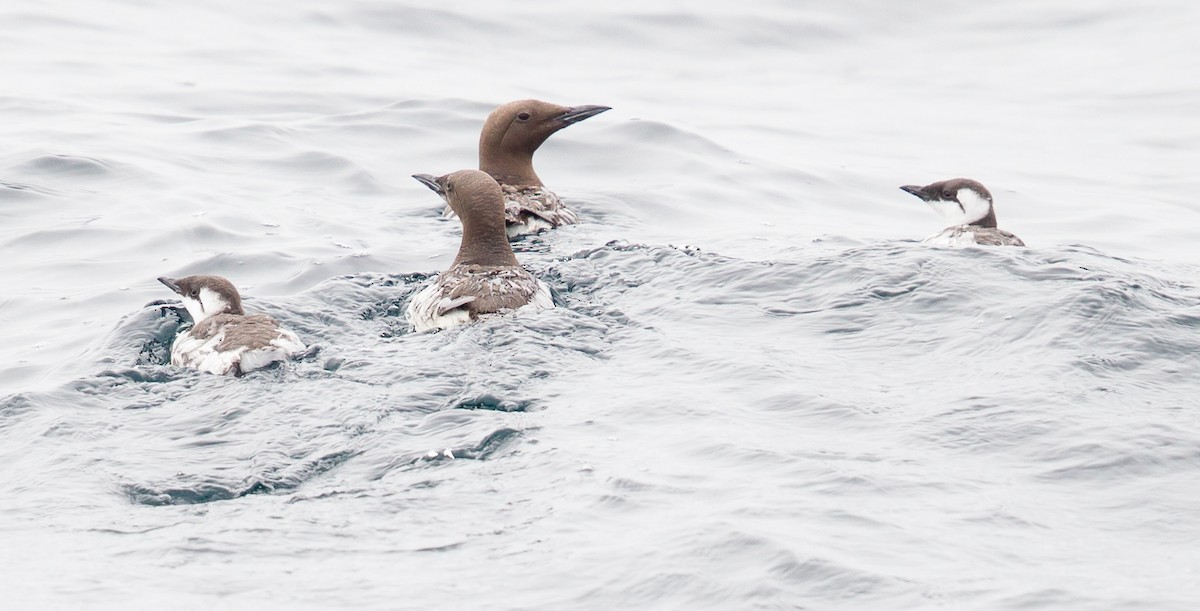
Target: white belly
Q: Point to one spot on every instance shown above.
(423, 311)
(531, 224)
(202, 354)
(424, 306)
(951, 237)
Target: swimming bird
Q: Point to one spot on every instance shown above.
(485, 277)
(967, 207)
(224, 339)
(510, 137)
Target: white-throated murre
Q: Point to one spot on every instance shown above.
(967, 207)
(510, 137)
(223, 339)
(485, 277)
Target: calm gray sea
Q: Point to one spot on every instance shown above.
(759, 392)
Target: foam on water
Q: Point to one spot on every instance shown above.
(796, 405)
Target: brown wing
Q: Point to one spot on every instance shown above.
(483, 290)
(996, 237)
(255, 331)
(209, 327)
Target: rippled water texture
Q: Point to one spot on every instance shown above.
(759, 389)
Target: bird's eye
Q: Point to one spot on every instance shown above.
(523, 116)
(947, 194)
(195, 293)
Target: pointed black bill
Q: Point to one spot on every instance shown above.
(431, 181)
(170, 282)
(576, 114)
(915, 190)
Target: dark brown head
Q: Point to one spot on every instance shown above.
(479, 203)
(961, 201)
(514, 131)
(206, 296)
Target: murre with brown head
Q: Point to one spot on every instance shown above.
(970, 215)
(510, 137)
(224, 339)
(486, 277)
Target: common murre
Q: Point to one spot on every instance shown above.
(223, 339)
(967, 207)
(510, 137)
(485, 277)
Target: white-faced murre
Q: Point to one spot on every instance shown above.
(510, 137)
(485, 277)
(967, 207)
(223, 339)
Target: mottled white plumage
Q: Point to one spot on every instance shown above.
(432, 308)
(223, 339)
(952, 237)
(528, 225)
(485, 278)
(966, 206)
(209, 353)
(529, 210)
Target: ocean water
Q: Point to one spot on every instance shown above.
(759, 390)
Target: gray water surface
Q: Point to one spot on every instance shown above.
(759, 389)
